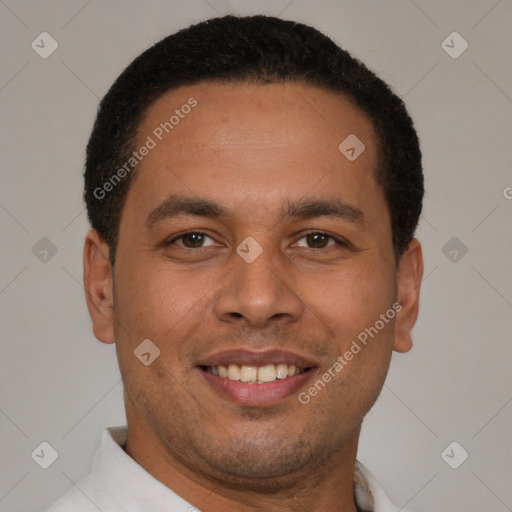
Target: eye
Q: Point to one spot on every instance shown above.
(191, 240)
(319, 240)
(198, 240)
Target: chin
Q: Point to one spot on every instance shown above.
(258, 463)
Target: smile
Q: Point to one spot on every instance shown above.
(254, 374)
(256, 378)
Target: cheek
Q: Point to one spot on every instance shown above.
(151, 304)
(153, 297)
(352, 297)
(166, 306)
(364, 314)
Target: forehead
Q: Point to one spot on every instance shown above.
(259, 142)
(255, 116)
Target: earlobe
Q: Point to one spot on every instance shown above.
(98, 286)
(409, 275)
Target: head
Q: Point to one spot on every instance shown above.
(243, 232)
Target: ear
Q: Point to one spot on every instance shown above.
(409, 274)
(98, 286)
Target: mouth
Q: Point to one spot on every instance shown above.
(256, 379)
(254, 374)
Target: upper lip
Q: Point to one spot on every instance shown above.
(247, 357)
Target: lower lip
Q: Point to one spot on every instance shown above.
(254, 394)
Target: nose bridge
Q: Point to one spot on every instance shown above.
(262, 277)
(258, 289)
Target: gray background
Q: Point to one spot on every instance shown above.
(59, 385)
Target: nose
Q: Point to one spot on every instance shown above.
(259, 293)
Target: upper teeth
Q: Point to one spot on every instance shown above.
(256, 374)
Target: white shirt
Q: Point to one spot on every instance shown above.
(119, 484)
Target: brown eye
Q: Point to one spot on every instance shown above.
(318, 240)
(192, 240)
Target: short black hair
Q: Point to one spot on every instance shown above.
(251, 49)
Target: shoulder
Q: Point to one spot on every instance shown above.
(369, 494)
(77, 499)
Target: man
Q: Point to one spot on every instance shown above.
(253, 192)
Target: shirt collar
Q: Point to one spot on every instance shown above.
(122, 484)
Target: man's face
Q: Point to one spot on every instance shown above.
(259, 153)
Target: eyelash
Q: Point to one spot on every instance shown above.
(337, 241)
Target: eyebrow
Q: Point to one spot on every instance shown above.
(175, 206)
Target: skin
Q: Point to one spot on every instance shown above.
(250, 148)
